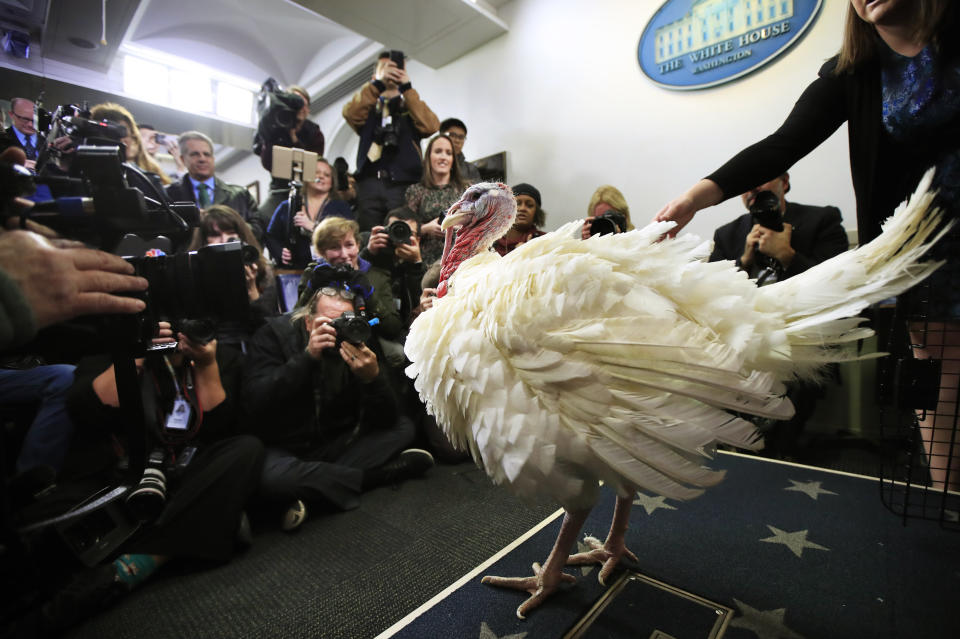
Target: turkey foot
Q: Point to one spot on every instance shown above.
(603, 553)
(613, 549)
(540, 586)
(547, 579)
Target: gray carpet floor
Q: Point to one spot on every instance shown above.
(352, 575)
(342, 575)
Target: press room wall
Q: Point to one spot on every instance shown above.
(563, 94)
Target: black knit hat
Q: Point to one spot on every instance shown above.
(528, 189)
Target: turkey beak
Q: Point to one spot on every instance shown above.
(455, 218)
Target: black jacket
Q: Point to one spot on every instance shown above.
(309, 407)
(233, 195)
(818, 235)
(883, 172)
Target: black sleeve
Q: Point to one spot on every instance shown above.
(222, 421)
(271, 378)
(816, 115)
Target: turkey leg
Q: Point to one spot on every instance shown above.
(609, 552)
(547, 579)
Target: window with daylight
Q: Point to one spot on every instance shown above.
(193, 90)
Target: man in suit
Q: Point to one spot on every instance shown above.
(23, 132)
(810, 235)
(200, 184)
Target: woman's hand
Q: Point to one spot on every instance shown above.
(427, 297)
(431, 229)
(286, 257)
(303, 220)
(250, 274)
(202, 354)
(681, 210)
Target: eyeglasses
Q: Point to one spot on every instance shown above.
(22, 118)
(342, 292)
(456, 136)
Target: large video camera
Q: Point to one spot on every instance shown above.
(276, 112)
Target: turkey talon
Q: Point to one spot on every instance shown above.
(540, 586)
(608, 554)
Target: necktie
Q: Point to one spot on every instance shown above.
(204, 192)
(30, 150)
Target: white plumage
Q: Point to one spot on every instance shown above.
(617, 358)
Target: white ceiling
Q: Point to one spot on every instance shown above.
(315, 43)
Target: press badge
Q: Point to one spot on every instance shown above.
(179, 417)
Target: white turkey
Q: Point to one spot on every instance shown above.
(622, 358)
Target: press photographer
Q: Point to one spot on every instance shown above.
(203, 491)
(324, 405)
(395, 250)
(777, 239)
(391, 119)
(284, 121)
(288, 238)
(194, 490)
(607, 213)
(807, 235)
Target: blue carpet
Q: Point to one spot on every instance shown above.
(792, 551)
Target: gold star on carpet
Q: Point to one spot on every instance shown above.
(651, 503)
(809, 488)
(795, 541)
(486, 633)
(766, 624)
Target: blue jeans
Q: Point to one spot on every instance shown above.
(49, 436)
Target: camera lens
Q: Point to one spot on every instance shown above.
(351, 328)
(398, 232)
(602, 226)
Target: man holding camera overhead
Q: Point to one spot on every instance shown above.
(777, 239)
(391, 119)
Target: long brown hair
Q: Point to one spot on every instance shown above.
(120, 115)
(455, 178)
(861, 44)
(228, 220)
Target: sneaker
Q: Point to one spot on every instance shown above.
(292, 519)
(413, 462)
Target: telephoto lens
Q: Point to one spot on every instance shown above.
(147, 500)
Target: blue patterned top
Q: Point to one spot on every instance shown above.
(921, 103)
(920, 97)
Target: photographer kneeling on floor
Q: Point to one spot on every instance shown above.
(199, 476)
(323, 404)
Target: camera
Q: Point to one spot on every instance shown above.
(398, 232)
(765, 211)
(387, 136)
(147, 500)
(342, 170)
(352, 328)
(195, 290)
(276, 108)
(607, 223)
